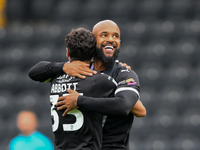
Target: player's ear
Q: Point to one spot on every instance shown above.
(67, 52)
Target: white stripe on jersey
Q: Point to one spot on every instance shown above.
(127, 88)
(104, 120)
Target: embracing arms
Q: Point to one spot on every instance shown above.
(43, 71)
(119, 105)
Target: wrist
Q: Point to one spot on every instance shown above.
(64, 67)
(79, 101)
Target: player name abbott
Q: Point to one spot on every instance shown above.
(56, 88)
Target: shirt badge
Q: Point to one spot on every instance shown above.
(130, 81)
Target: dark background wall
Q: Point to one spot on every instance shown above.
(160, 41)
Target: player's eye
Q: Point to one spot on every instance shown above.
(116, 36)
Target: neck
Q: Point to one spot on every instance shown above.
(87, 62)
(28, 133)
(98, 65)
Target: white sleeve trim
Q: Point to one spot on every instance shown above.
(127, 88)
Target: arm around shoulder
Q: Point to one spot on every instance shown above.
(45, 70)
(138, 109)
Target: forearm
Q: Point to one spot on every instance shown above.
(121, 104)
(45, 70)
(138, 109)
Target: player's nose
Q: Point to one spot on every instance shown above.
(110, 39)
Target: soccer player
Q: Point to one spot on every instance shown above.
(116, 128)
(78, 129)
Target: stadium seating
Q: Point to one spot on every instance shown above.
(159, 40)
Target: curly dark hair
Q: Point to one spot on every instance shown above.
(81, 44)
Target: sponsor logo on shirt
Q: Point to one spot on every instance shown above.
(64, 78)
(125, 70)
(129, 81)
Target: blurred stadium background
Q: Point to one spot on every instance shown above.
(160, 41)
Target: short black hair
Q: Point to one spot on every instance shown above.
(81, 44)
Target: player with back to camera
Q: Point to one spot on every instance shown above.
(119, 121)
(79, 129)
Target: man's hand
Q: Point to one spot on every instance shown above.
(125, 65)
(78, 69)
(68, 102)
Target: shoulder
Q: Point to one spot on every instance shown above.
(16, 140)
(41, 137)
(42, 140)
(102, 78)
(118, 69)
(101, 84)
(39, 134)
(123, 71)
(126, 77)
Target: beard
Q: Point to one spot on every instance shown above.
(99, 54)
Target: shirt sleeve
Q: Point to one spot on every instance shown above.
(43, 71)
(119, 105)
(127, 80)
(126, 95)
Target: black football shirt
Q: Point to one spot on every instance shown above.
(79, 129)
(116, 129)
(118, 119)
